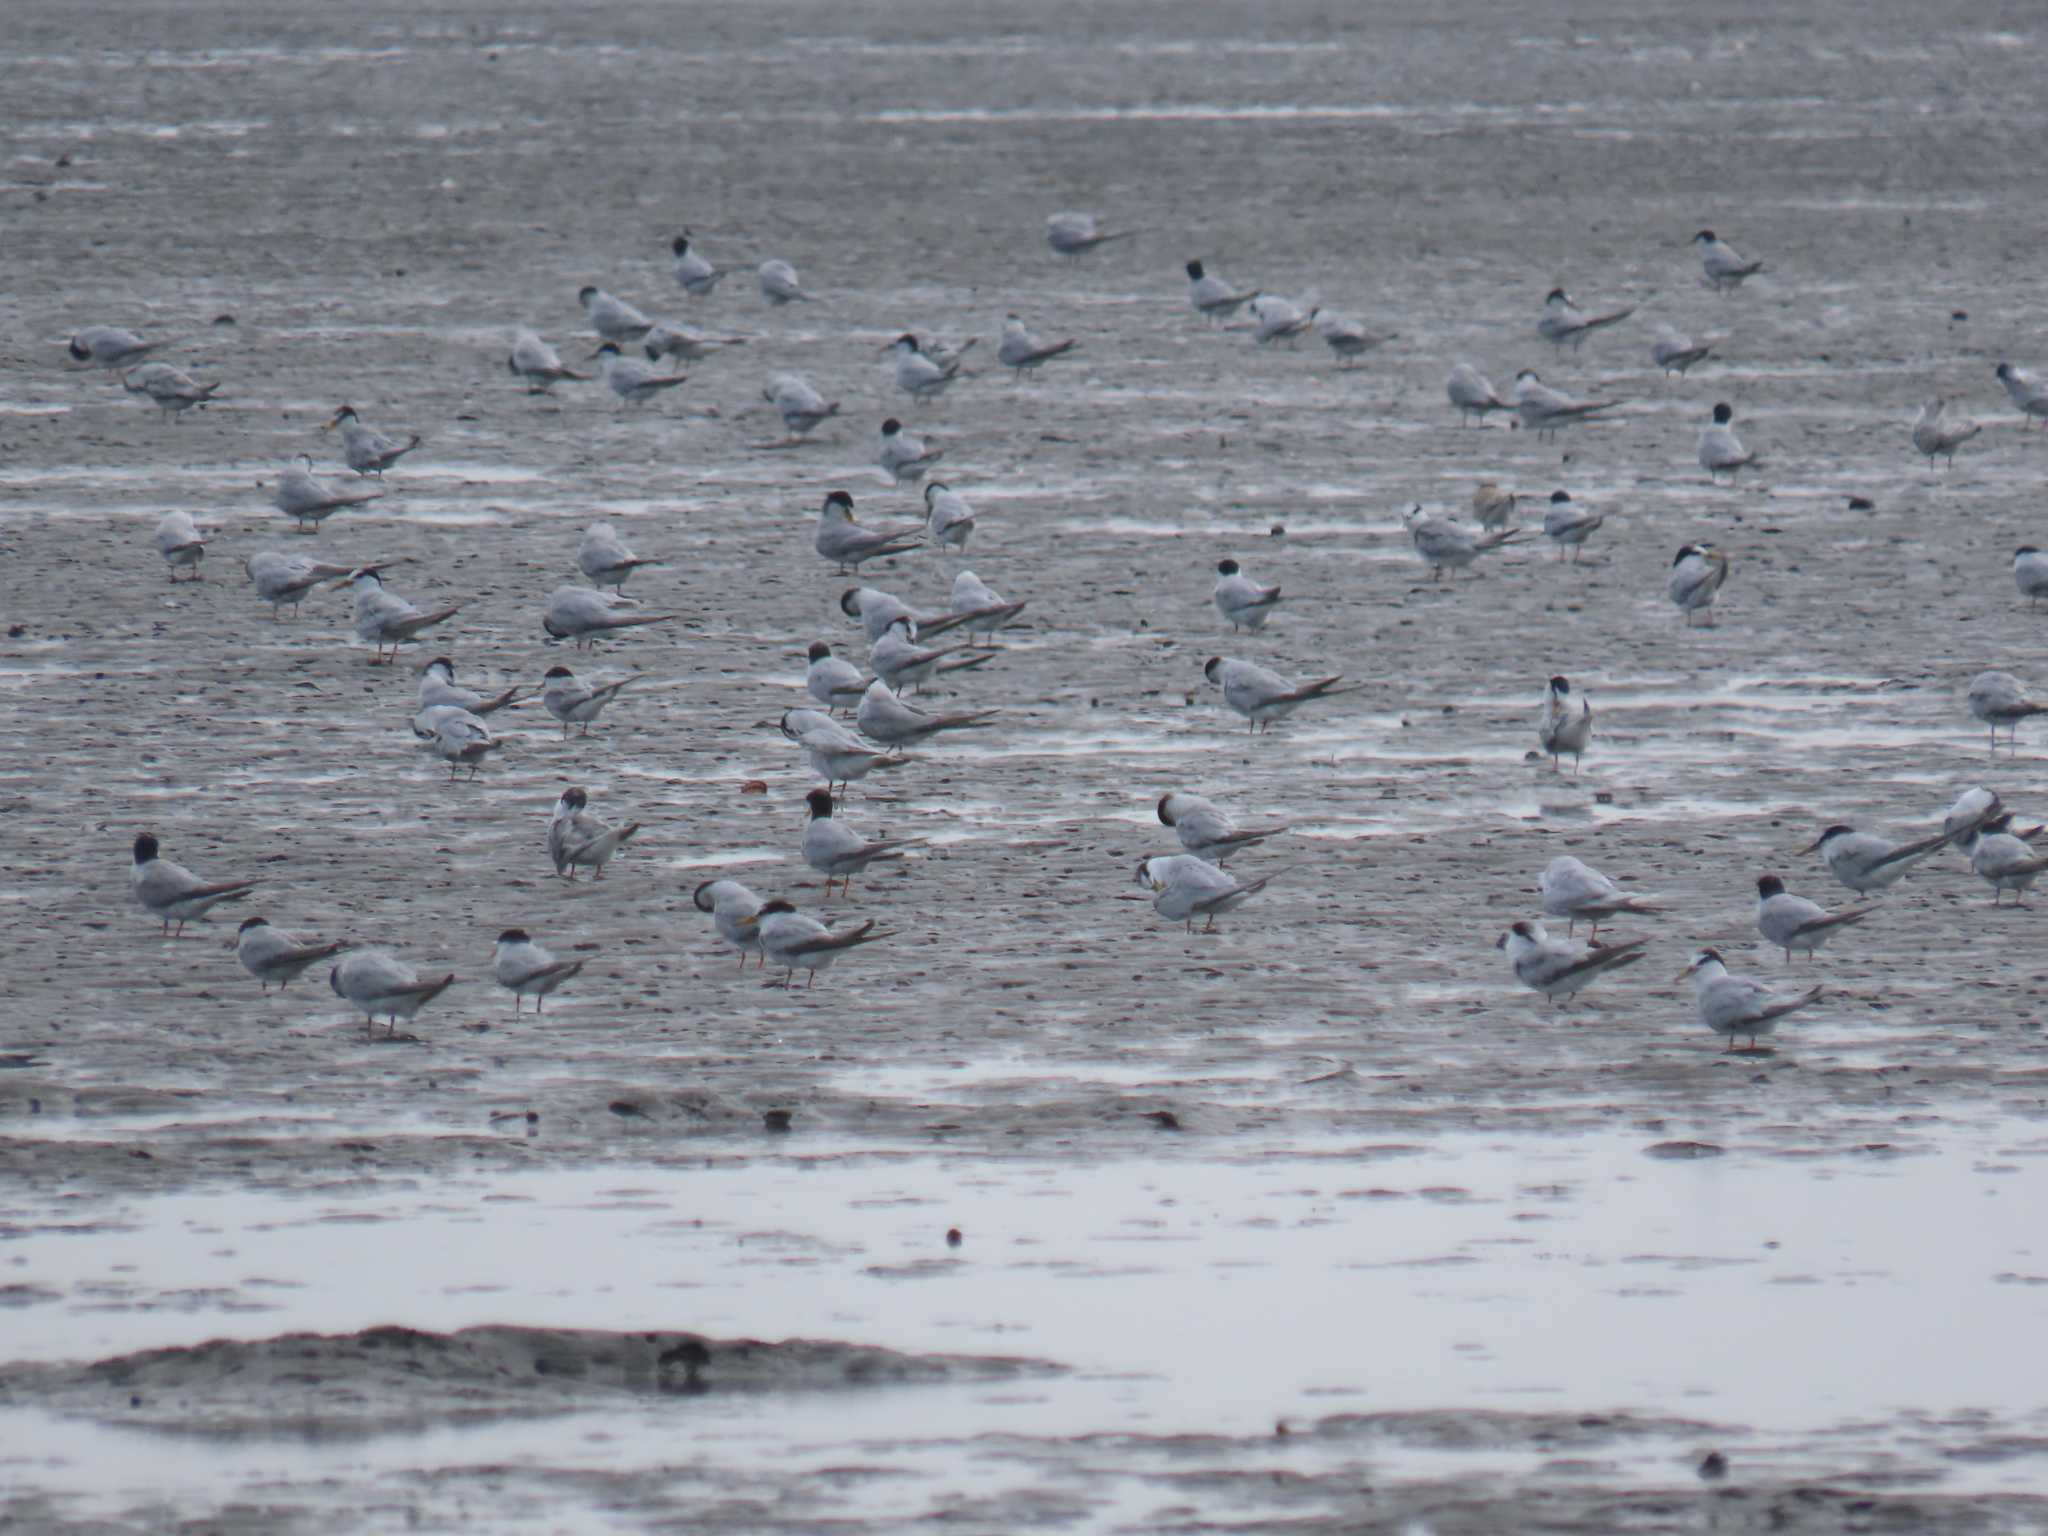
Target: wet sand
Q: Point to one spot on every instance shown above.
(379, 197)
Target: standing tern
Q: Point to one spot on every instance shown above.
(368, 451)
(171, 893)
(604, 558)
(539, 364)
(918, 375)
(1696, 575)
(1185, 887)
(173, 389)
(1675, 352)
(1278, 319)
(1445, 544)
(899, 660)
(108, 346)
(684, 344)
(1792, 922)
(981, 608)
(1546, 411)
(846, 543)
(798, 403)
(1568, 525)
(280, 578)
(1213, 297)
(308, 500)
(2030, 573)
(527, 969)
(779, 285)
(832, 680)
(838, 852)
(1721, 451)
(634, 382)
(1346, 337)
(1472, 395)
(581, 614)
(948, 519)
(1262, 696)
(689, 268)
(1938, 438)
(1723, 266)
(1076, 234)
(379, 983)
(1579, 893)
(1021, 350)
(877, 610)
(1865, 862)
(1494, 507)
(384, 618)
(792, 940)
(272, 955)
(575, 702)
(2025, 391)
(1738, 1005)
(1205, 830)
(834, 753)
(732, 907)
(1563, 321)
(459, 738)
(1243, 603)
(1996, 699)
(577, 838)
(438, 686)
(612, 317)
(178, 541)
(1558, 970)
(1562, 729)
(885, 717)
(903, 455)
(2004, 861)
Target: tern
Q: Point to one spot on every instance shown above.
(173, 389)
(877, 610)
(1723, 266)
(1579, 893)
(899, 660)
(2003, 860)
(1185, 887)
(459, 738)
(1938, 438)
(108, 346)
(280, 578)
(1076, 234)
(1546, 411)
(1213, 297)
(604, 558)
(1242, 602)
(380, 983)
(832, 680)
(1262, 696)
(917, 375)
(1556, 969)
(1792, 922)
(684, 344)
(1696, 575)
(948, 519)
(885, 717)
(798, 403)
(1675, 352)
(581, 614)
(1021, 351)
(1494, 507)
(612, 317)
(2030, 573)
(838, 756)
(689, 268)
(903, 455)
(272, 955)
(438, 686)
(526, 969)
(846, 543)
(2025, 391)
(577, 838)
(779, 285)
(981, 608)
(732, 907)
(171, 893)
(366, 450)
(1568, 525)
(838, 852)
(539, 364)
(1721, 451)
(178, 541)
(1867, 863)
(308, 500)
(1445, 544)
(384, 618)
(634, 382)
(1278, 319)
(1561, 729)
(1346, 337)
(1205, 830)
(1563, 321)
(1472, 395)
(1996, 699)
(791, 940)
(575, 702)
(1738, 1005)
(1972, 809)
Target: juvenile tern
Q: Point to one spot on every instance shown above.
(1185, 887)
(1696, 575)
(1738, 1005)
(368, 451)
(526, 969)
(539, 364)
(884, 717)
(108, 346)
(1792, 922)
(917, 375)
(948, 519)
(1205, 830)
(1562, 729)
(2005, 862)
(1021, 350)
(575, 702)
(1494, 507)
(1242, 602)
(272, 955)
(1563, 321)
(732, 907)
(1865, 862)
(1472, 395)
(899, 660)
(604, 558)
(683, 343)
(1278, 319)
(1346, 337)
(779, 285)
(798, 403)
(576, 838)
(280, 578)
(171, 893)
(1546, 411)
(1675, 352)
(846, 543)
(1262, 696)
(689, 268)
(832, 680)
(178, 541)
(384, 618)
(173, 389)
(438, 686)
(1557, 970)
(1973, 808)
(1996, 699)
(308, 500)
(791, 940)
(1580, 893)
(1721, 451)
(379, 983)
(1446, 544)
(1076, 234)
(1568, 525)
(612, 317)
(2030, 573)
(903, 455)
(838, 852)
(581, 614)
(1936, 437)
(1722, 264)
(634, 382)
(459, 738)
(2025, 391)
(1213, 297)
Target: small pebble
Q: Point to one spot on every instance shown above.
(953, 1237)
(777, 1120)
(1714, 1467)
